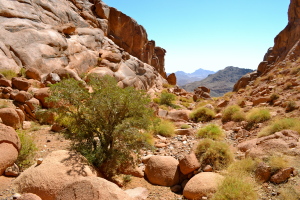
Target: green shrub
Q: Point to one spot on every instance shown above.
(167, 98)
(211, 131)
(243, 167)
(257, 115)
(214, 153)
(9, 74)
(235, 188)
(164, 128)
(232, 113)
(185, 126)
(279, 125)
(277, 162)
(290, 106)
(28, 150)
(202, 114)
(106, 126)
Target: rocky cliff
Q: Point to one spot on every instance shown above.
(79, 35)
(286, 48)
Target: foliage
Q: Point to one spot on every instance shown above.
(185, 126)
(235, 187)
(257, 115)
(279, 125)
(214, 153)
(106, 125)
(290, 106)
(232, 113)
(277, 162)
(202, 114)
(211, 131)
(28, 150)
(167, 98)
(164, 128)
(4, 103)
(9, 74)
(289, 192)
(243, 167)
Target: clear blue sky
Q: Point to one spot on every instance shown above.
(209, 34)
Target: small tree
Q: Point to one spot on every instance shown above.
(106, 125)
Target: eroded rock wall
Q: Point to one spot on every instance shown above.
(73, 34)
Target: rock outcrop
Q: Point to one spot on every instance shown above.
(286, 48)
(72, 37)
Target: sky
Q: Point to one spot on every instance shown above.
(209, 34)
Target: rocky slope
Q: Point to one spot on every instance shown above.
(220, 82)
(185, 78)
(79, 35)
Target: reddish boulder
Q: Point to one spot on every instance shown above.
(23, 96)
(4, 82)
(9, 155)
(162, 170)
(41, 95)
(9, 135)
(10, 117)
(172, 79)
(20, 83)
(33, 73)
(263, 172)
(189, 163)
(282, 175)
(178, 115)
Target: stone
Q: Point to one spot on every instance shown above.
(20, 83)
(26, 125)
(23, 96)
(57, 170)
(56, 128)
(52, 78)
(90, 188)
(10, 117)
(176, 188)
(9, 135)
(66, 73)
(139, 193)
(41, 95)
(282, 175)
(12, 171)
(263, 172)
(33, 73)
(204, 184)
(188, 131)
(33, 104)
(172, 79)
(208, 168)
(9, 155)
(247, 145)
(189, 163)
(4, 82)
(162, 170)
(178, 115)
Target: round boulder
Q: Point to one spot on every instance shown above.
(162, 170)
(57, 170)
(10, 117)
(202, 185)
(92, 188)
(189, 163)
(9, 155)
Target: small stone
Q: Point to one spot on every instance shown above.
(208, 168)
(39, 161)
(16, 196)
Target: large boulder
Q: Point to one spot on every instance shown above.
(189, 163)
(9, 155)
(202, 185)
(10, 117)
(162, 170)
(41, 95)
(57, 170)
(91, 188)
(20, 83)
(178, 115)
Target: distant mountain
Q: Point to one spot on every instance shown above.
(185, 78)
(220, 82)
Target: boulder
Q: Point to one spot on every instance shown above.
(9, 155)
(189, 163)
(66, 73)
(172, 79)
(33, 73)
(10, 117)
(52, 78)
(178, 115)
(12, 171)
(263, 172)
(9, 135)
(57, 170)
(29, 196)
(162, 170)
(20, 83)
(93, 188)
(282, 175)
(189, 131)
(4, 82)
(41, 95)
(202, 185)
(23, 96)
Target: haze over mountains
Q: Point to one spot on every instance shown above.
(220, 82)
(184, 78)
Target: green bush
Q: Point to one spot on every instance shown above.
(164, 128)
(185, 126)
(290, 106)
(107, 125)
(235, 188)
(202, 114)
(243, 167)
(214, 153)
(211, 131)
(167, 98)
(9, 74)
(28, 150)
(232, 113)
(279, 125)
(277, 162)
(257, 115)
